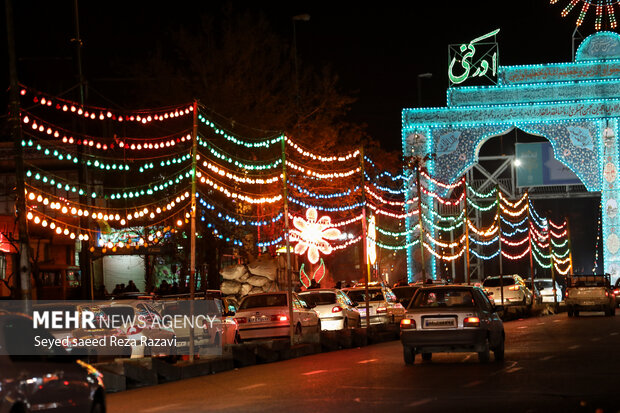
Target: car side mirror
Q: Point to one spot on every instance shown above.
(310, 305)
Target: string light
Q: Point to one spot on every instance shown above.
(513, 205)
(515, 244)
(441, 200)
(513, 214)
(484, 243)
(481, 195)
(324, 196)
(444, 257)
(237, 195)
(515, 257)
(265, 143)
(385, 201)
(479, 208)
(444, 244)
(514, 225)
(241, 179)
(152, 188)
(442, 184)
(58, 183)
(322, 175)
(562, 245)
(329, 209)
(99, 113)
(397, 247)
(239, 221)
(384, 188)
(308, 154)
(347, 243)
(483, 232)
(562, 235)
(515, 232)
(392, 214)
(243, 165)
(398, 234)
(483, 257)
(555, 226)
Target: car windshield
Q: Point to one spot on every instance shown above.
(443, 298)
(271, 300)
(543, 284)
(495, 281)
(404, 294)
(374, 294)
(319, 298)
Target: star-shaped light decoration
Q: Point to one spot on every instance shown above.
(600, 7)
(311, 235)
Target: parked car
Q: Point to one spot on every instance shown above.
(335, 309)
(590, 293)
(37, 378)
(545, 286)
(515, 290)
(405, 293)
(384, 307)
(452, 319)
(150, 327)
(266, 315)
(617, 292)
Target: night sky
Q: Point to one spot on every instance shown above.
(377, 48)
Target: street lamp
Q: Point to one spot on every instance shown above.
(297, 18)
(420, 77)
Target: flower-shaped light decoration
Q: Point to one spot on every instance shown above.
(311, 235)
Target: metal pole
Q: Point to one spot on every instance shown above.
(365, 263)
(466, 226)
(289, 275)
(570, 249)
(529, 236)
(499, 234)
(85, 256)
(16, 132)
(417, 180)
(192, 237)
(551, 259)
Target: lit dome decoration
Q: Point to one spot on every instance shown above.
(311, 235)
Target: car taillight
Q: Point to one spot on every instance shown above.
(279, 317)
(616, 292)
(241, 320)
(381, 310)
(566, 294)
(407, 323)
(133, 330)
(336, 309)
(471, 322)
(513, 288)
(606, 293)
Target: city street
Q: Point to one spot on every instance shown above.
(553, 363)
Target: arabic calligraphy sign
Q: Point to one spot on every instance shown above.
(474, 60)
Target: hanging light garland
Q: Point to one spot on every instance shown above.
(432, 224)
(322, 175)
(481, 195)
(514, 225)
(489, 232)
(485, 257)
(153, 187)
(324, 196)
(237, 195)
(442, 256)
(99, 113)
(484, 243)
(238, 178)
(458, 183)
(238, 221)
(453, 244)
(443, 201)
(240, 164)
(471, 203)
(391, 214)
(388, 202)
(328, 209)
(515, 257)
(58, 183)
(265, 143)
(304, 152)
(513, 205)
(600, 7)
(401, 192)
(397, 247)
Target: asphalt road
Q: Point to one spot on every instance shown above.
(553, 364)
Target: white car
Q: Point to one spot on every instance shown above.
(335, 309)
(516, 292)
(545, 286)
(384, 307)
(266, 315)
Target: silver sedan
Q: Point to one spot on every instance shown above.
(452, 319)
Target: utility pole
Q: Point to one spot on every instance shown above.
(417, 181)
(365, 263)
(85, 256)
(499, 240)
(552, 261)
(289, 275)
(192, 237)
(529, 236)
(16, 133)
(466, 229)
(570, 249)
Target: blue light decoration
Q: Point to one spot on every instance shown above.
(575, 106)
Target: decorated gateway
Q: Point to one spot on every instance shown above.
(575, 106)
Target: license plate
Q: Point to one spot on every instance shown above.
(439, 323)
(259, 319)
(588, 303)
(181, 343)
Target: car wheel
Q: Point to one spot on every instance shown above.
(576, 313)
(297, 333)
(570, 312)
(238, 339)
(484, 355)
(427, 356)
(498, 352)
(408, 355)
